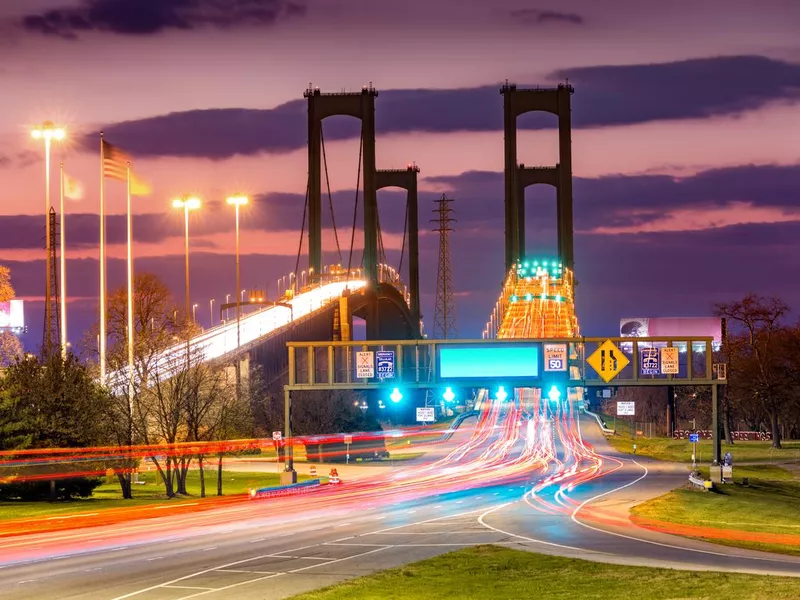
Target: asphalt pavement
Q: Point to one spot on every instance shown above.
(276, 548)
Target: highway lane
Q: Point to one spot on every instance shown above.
(276, 548)
(591, 521)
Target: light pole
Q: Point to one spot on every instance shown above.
(194, 312)
(237, 202)
(211, 310)
(47, 131)
(187, 203)
(227, 301)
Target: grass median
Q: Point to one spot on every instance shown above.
(663, 448)
(762, 515)
(494, 572)
(108, 496)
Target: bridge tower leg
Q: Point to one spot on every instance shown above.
(407, 179)
(515, 103)
(360, 105)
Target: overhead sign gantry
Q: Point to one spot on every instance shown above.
(581, 362)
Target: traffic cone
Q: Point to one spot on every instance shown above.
(313, 470)
(334, 476)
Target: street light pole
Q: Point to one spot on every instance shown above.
(194, 312)
(236, 202)
(187, 204)
(47, 131)
(211, 310)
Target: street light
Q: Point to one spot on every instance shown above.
(227, 301)
(187, 203)
(211, 309)
(237, 202)
(194, 312)
(48, 132)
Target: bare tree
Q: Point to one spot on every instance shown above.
(754, 354)
(10, 349)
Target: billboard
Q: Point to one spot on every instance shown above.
(489, 361)
(12, 315)
(672, 327)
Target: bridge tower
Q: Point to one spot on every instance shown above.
(517, 177)
(360, 105)
(407, 179)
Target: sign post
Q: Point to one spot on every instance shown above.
(348, 439)
(276, 439)
(694, 438)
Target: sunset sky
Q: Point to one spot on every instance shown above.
(686, 140)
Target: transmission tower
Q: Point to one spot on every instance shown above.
(51, 333)
(444, 320)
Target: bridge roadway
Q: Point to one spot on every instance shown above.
(280, 547)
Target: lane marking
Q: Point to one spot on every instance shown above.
(57, 517)
(662, 544)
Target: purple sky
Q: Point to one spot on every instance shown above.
(686, 126)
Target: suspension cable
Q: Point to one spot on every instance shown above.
(330, 197)
(355, 205)
(302, 232)
(405, 231)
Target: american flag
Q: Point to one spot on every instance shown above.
(114, 162)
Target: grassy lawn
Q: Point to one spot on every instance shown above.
(493, 572)
(108, 496)
(768, 505)
(681, 450)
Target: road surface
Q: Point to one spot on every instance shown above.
(542, 485)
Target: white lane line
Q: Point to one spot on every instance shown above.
(662, 544)
(174, 505)
(93, 569)
(259, 557)
(26, 581)
(258, 540)
(233, 585)
(522, 537)
(190, 587)
(342, 525)
(154, 558)
(58, 517)
(302, 557)
(209, 549)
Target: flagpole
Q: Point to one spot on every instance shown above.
(63, 272)
(102, 265)
(130, 297)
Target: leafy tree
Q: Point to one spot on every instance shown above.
(6, 289)
(52, 404)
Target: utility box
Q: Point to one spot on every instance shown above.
(727, 472)
(715, 473)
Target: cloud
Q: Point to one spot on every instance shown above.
(148, 17)
(604, 96)
(637, 203)
(533, 16)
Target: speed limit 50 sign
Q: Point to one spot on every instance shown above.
(555, 357)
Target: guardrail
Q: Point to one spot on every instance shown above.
(599, 421)
(700, 482)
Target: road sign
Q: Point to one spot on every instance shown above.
(365, 365)
(694, 437)
(608, 361)
(555, 357)
(425, 415)
(385, 364)
(669, 361)
(721, 371)
(348, 439)
(276, 436)
(626, 409)
(650, 363)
